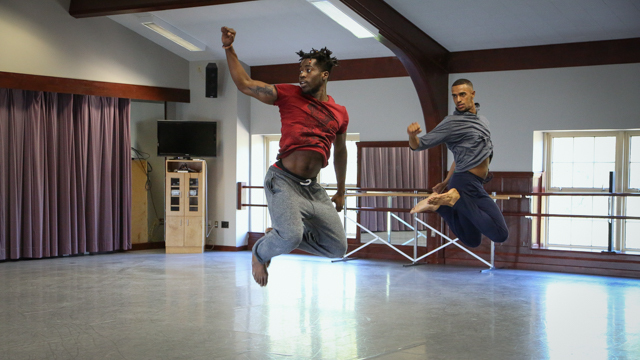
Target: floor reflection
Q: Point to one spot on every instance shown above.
(148, 305)
(591, 319)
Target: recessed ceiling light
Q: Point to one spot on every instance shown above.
(341, 18)
(172, 33)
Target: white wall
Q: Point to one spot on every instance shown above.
(243, 163)
(232, 164)
(144, 137)
(39, 37)
(517, 103)
(379, 109)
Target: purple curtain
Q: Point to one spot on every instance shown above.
(393, 168)
(65, 183)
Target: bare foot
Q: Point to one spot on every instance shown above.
(259, 271)
(447, 199)
(424, 205)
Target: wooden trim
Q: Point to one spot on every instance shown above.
(148, 245)
(576, 262)
(382, 144)
(95, 88)
(513, 174)
(371, 68)
(229, 248)
(539, 188)
(241, 195)
(252, 237)
(547, 56)
(91, 8)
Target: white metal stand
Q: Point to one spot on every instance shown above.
(416, 234)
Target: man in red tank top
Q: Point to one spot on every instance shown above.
(302, 214)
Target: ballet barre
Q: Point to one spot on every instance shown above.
(416, 221)
(537, 215)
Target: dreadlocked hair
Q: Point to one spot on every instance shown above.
(323, 58)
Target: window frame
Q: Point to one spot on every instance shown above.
(621, 171)
(625, 186)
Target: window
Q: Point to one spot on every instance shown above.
(586, 162)
(327, 176)
(632, 227)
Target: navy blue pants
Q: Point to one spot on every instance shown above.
(475, 213)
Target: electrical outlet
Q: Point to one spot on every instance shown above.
(433, 233)
(215, 224)
(225, 224)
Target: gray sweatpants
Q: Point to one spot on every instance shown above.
(302, 217)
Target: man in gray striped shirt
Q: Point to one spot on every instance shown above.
(466, 207)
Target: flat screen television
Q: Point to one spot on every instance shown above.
(187, 139)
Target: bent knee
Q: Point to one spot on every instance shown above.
(339, 248)
(289, 239)
(502, 236)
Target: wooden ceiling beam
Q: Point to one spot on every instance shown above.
(591, 53)
(349, 69)
(425, 60)
(92, 8)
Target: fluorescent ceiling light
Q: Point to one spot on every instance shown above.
(172, 33)
(341, 18)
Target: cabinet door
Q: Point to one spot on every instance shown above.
(175, 194)
(194, 194)
(194, 231)
(175, 230)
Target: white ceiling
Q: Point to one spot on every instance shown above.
(271, 31)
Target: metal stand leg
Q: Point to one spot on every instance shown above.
(493, 254)
(389, 205)
(415, 244)
(415, 234)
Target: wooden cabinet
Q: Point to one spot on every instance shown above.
(185, 196)
(139, 220)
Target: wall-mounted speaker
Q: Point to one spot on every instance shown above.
(211, 80)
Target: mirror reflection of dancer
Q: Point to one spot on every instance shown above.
(466, 207)
(302, 215)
